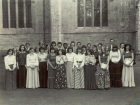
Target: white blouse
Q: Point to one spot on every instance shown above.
(90, 60)
(8, 60)
(42, 57)
(60, 59)
(77, 58)
(32, 59)
(115, 56)
(70, 57)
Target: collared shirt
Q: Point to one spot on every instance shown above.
(79, 58)
(115, 56)
(42, 57)
(70, 57)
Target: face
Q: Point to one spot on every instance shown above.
(10, 52)
(37, 49)
(22, 48)
(60, 52)
(99, 45)
(72, 44)
(78, 44)
(59, 45)
(70, 50)
(27, 45)
(31, 51)
(107, 48)
(114, 49)
(127, 48)
(112, 41)
(79, 51)
(65, 45)
(94, 48)
(52, 51)
(89, 45)
(53, 45)
(83, 49)
(42, 50)
(122, 45)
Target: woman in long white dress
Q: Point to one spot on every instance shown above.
(128, 71)
(32, 63)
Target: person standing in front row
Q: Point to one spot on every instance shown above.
(128, 71)
(103, 77)
(89, 71)
(43, 73)
(21, 65)
(51, 59)
(69, 67)
(115, 68)
(79, 59)
(11, 72)
(60, 77)
(32, 63)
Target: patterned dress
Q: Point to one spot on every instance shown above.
(79, 73)
(10, 75)
(102, 75)
(60, 78)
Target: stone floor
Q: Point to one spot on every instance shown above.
(114, 96)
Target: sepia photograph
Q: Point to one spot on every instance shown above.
(69, 52)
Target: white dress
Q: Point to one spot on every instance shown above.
(32, 80)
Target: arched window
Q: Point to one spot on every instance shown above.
(92, 13)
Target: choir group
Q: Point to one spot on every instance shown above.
(76, 66)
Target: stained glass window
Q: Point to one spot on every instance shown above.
(92, 13)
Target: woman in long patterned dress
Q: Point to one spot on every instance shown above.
(69, 67)
(32, 63)
(51, 59)
(60, 78)
(11, 72)
(115, 68)
(21, 65)
(78, 74)
(89, 71)
(128, 71)
(103, 77)
(43, 73)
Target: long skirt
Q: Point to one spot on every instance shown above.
(32, 80)
(128, 76)
(103, 78)
(115, 71)
(51, 76)
(11, 80)
(43, 74)
(78, 78)
(89, 72)
(60, 78)
(22, 76)
(69, 73)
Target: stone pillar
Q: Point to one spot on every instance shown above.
(138, 29)
(55, 6)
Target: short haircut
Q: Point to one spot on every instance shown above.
(21, 46)
(100, 44)
(9, 51)
(112, 39)
(65, 44)
(72, 42)
(59, 43)
(28, 44)
(126, 46)
(78, 49)
(69, 49)
(53, 42)
(89, 44)
(84, 46)
(121, 44)
(41, 48)
(31, 48)
(78, 42)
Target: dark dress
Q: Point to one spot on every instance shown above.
(115, 70)
(51, 71)
(22, 72)
(89, 73)
(102, 75)
(96, 56)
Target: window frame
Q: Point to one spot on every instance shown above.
(92, 26)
